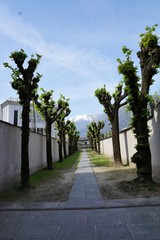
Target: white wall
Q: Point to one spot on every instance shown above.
(128, 142)
(106, 147)
(10, 152)
(154, 124)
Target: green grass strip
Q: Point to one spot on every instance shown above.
(68, 162)
(99, 160)
(44, 174)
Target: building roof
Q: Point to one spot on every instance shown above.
(10, 101)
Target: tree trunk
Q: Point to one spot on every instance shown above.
(99, 149)
(64, 145)
(142, 157)
(48, 146)
(69, 146)
(91, 143)
(116, 142)
(60, 152)
(60, 146)
(95, 145)
(25, 177)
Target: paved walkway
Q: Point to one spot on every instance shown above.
(85, 191)
(84, 216)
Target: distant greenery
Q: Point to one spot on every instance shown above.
(42, 176)
(99, 160)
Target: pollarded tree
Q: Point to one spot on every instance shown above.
(99, 126)
(112, 111)
(60, 124)
(26, 84)
(49, 110)
(138, 95)
(94, 130)
(90, 137)
(93, 133)
(76, 138)
(73, 136)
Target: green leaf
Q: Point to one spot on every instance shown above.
(119, 60)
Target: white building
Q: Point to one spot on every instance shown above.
(11, 111)
(83, 143)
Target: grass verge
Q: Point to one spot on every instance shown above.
(67, 164)
(99, 160)
(42, 176)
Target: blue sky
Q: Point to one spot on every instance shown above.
(79, 41)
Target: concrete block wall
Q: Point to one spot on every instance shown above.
(10, 152)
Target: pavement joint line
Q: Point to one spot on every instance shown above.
(78, 208)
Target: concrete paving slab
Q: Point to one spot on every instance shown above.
(115, 230)
(85, 186)
(70, 232)
(145, 230)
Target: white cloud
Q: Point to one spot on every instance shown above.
(84, 62)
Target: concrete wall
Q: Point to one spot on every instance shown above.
(106, 147)
(128, 142)
(154, 124)
(10, 152)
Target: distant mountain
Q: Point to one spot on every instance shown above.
(81, 121)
